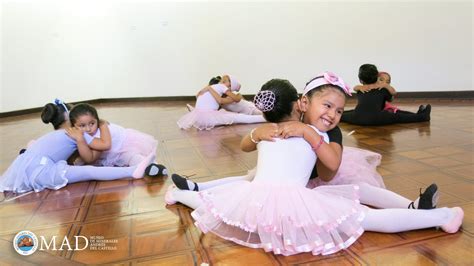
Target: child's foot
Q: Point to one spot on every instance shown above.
(426, 112)
(456, 221)
(169, 195)
(421, 108)
(139, 171)
(190, 107)
(155, 169)
(183, 183)
(427, 200)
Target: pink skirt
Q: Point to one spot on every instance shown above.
(283, 219)
(357, 166)
(205, 119)
(135, 146)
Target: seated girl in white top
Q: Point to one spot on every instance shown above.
(206, 114)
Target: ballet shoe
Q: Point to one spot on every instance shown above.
(456, 221)
(155, 170)
(426, 113)
(429, 198)
(182, 183)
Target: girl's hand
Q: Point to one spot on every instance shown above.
(266, 132)
(75, 133)
(292, 129)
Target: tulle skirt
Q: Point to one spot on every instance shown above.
(205, 119)
(357, 166)
(30, 171)
(283, 219)
(135, 145)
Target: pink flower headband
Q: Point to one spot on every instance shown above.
(264, 101)
(326, 78)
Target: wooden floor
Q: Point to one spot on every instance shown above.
(133, 213)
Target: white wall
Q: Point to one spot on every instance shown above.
(80, 50)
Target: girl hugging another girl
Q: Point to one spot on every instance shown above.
(206, 114)
(125, 147)
(275, 211)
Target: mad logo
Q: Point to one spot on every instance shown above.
(25, 243)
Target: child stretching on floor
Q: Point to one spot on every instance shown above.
(233, 101)
(206, 116)
(43, 164)
(128, 146)
(277, 212)
(351, 166)
(371, 99)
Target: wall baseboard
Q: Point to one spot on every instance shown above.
(444, 95)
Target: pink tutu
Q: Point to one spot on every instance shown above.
(284, 219)
(357, 166)
(135, 146)
(203, 119)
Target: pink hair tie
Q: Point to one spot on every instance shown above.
(327, 78)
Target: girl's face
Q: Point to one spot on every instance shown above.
(226, 81)
(325, 109)
(87, 123)
(383, 77)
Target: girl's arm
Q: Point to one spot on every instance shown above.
(87, 155)
(105, 141)
(366, 88)
(325, 173)
(264, 132)
(390, 89)
(235, 97)
(327, 154)
(218, 98)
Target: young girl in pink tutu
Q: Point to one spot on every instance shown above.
(128, 147)
(238, 103)
(206, 114)
(351, 165)
(276, 211)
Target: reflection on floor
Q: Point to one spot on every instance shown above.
(141, 229)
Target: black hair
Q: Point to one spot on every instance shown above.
(285, 95)
(82, 109)
(54, 114)
(368, 74)
(215, 80)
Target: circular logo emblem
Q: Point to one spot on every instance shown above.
(25, 243)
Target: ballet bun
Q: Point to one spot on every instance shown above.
(49, 113)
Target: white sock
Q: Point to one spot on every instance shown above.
(188, 198)
(400, 220)
(382, 198)
(217, 182)
(139, 171)
(248, 119)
